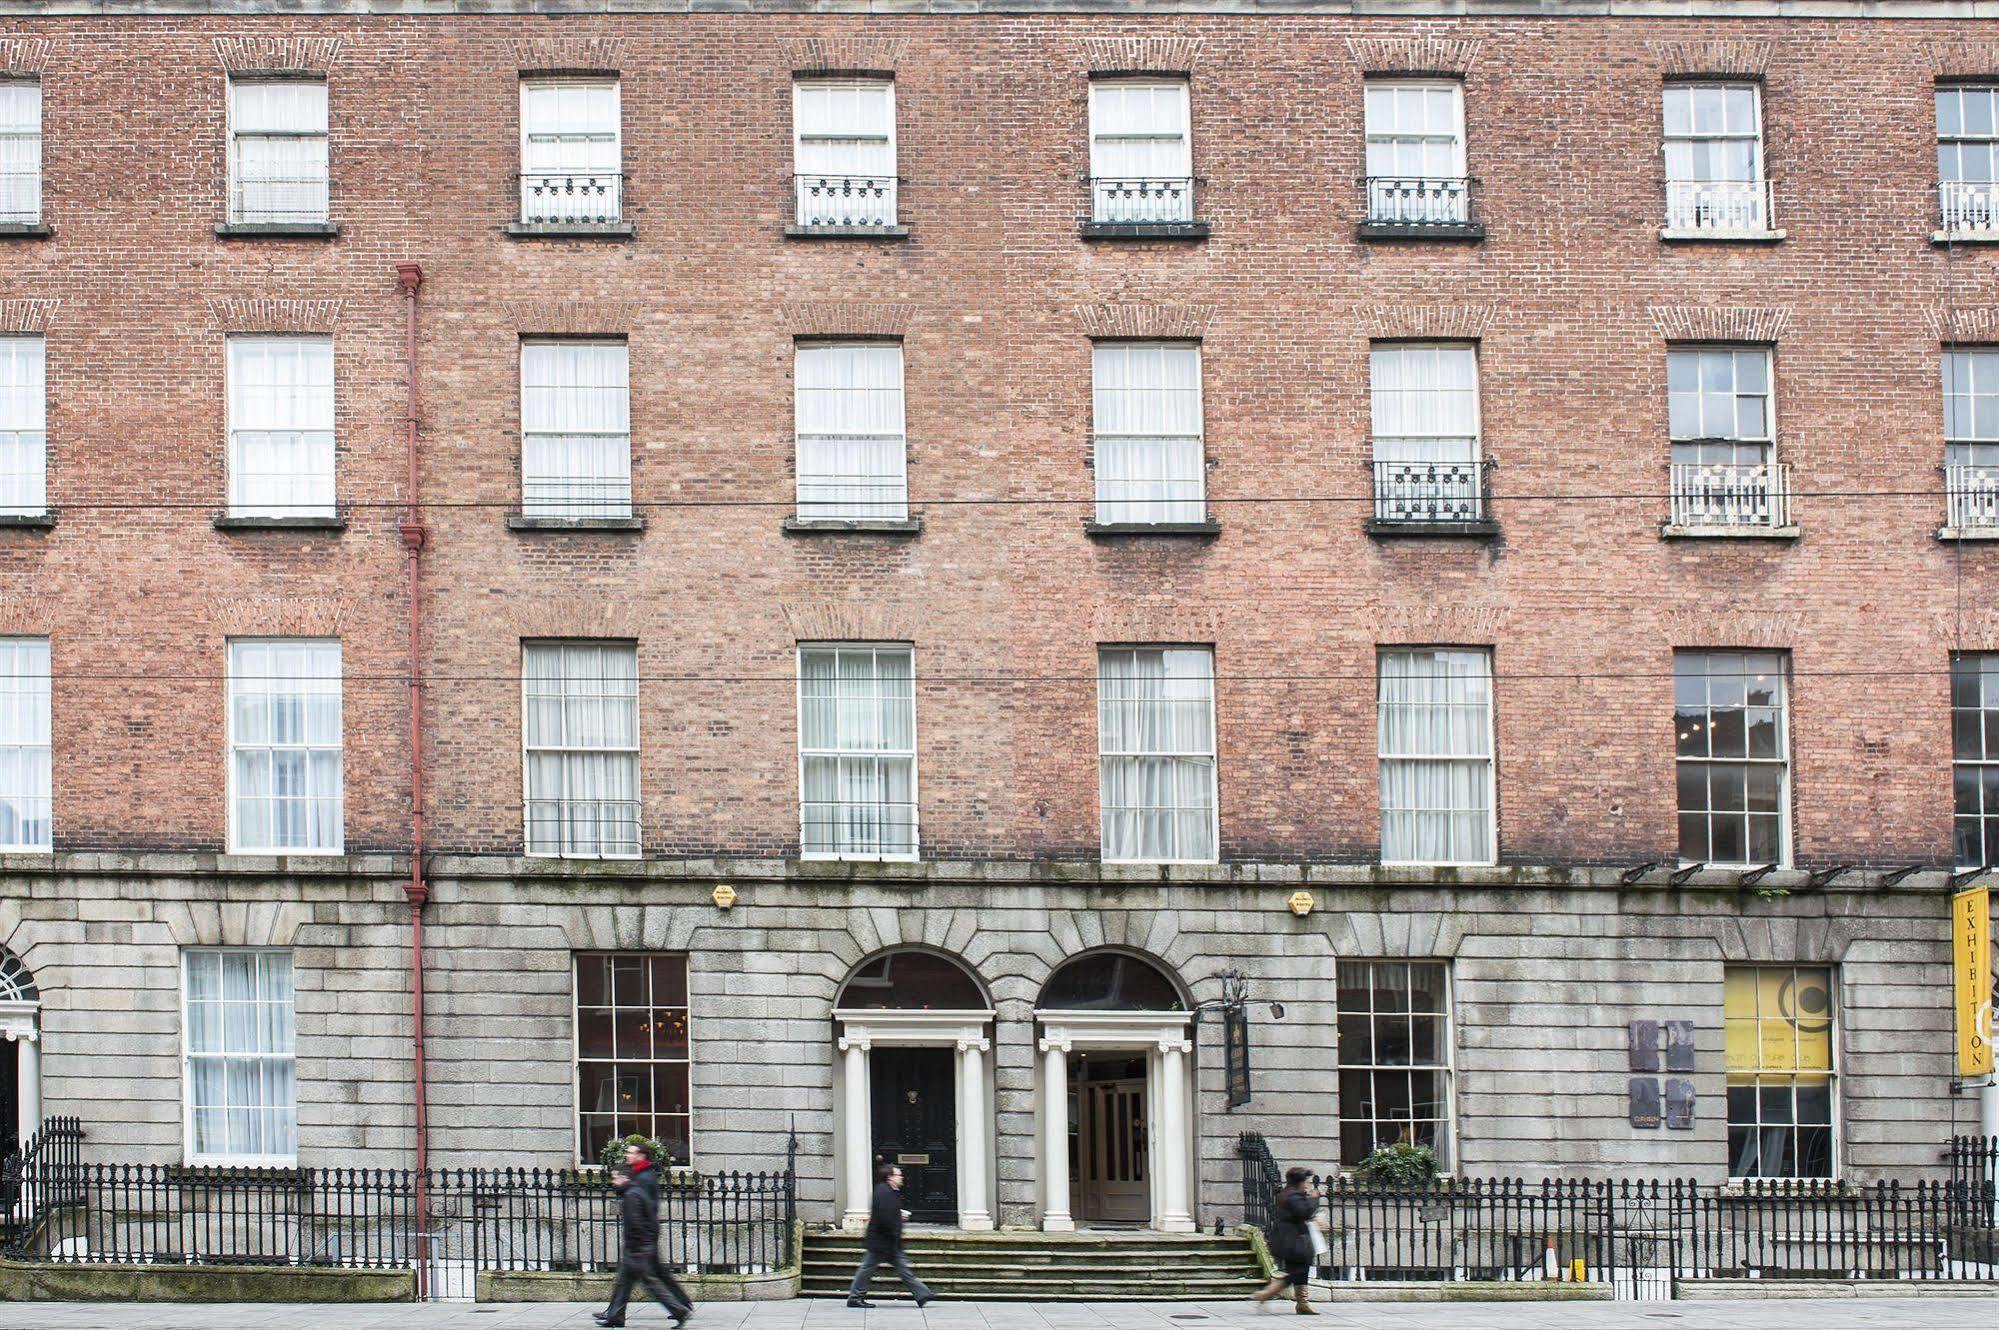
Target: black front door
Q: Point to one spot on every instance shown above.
(916, 1127)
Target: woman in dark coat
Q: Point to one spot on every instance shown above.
(1291, 1240)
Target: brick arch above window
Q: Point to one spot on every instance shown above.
(1720, 323)
(1965, 323)
(267, 315)
(1141, 55)
(1451, 57)
(820, 56)
(567, 54)
(1442, 323)
(848, 621)
(1150, 322)
(27, 316)
(263, 55)
(1720, 59)
(1964, 60)
(25, 56)
(282, 616)
(572, 318)
(844, 319)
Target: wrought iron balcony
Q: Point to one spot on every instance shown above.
(1419, 207)
(279, 201)
(581, 199)
(1722, 497)
(1153, 207)
(1428, 498)
(1971, 498)
(846, 205)
(1718, 208)
(1970, 208)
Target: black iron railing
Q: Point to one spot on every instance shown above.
(1429, 493)
(845, 202)
(1419, 201)
(545, 1219)
(34, 1181)
(1153, 201)
(572, 198)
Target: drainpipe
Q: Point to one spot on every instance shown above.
(409, 277)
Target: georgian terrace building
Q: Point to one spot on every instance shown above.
(928, 541)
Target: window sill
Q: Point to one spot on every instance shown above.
(571, 230)
(1458, 231)
(1683, 235)
(1956, 533)
(896, 232)
(277, 230)
(860, 858)
(525, 522)
(1671, 532)
(820, 526)
(226, 522)
(552, 857)
(1123, 530)
(41, 521)
(1485, 528)
(1964, 237)
(1145, 230)
(25, 231)
(215, 1168)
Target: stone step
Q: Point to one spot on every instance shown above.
(831, 1267)
(887, 1287)
(1047, 1267)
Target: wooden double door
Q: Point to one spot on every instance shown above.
(915, 1125)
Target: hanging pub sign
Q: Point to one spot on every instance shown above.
(1235, 1046)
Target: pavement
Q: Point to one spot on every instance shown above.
(1930, 1313)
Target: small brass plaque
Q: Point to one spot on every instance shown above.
(912, 1159)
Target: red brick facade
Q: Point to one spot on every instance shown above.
(1572, 297)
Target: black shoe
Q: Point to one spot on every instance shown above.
(921, 1303)
(859, 1302)
(604, 1320)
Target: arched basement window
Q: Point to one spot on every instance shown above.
(911, 981)
(1110, 981)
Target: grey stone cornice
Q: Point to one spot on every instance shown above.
(1399, 9)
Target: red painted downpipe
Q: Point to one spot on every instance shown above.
(409, 277)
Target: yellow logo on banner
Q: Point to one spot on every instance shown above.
(1971, 962)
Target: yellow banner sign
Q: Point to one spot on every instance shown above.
(1971, 962)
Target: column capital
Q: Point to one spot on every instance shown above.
(1175, 1043)
(855, 1043)
(980, 1043)
(1050, 1043)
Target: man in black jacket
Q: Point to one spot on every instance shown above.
(883, 1243)
(638, 1262)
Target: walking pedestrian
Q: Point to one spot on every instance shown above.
(883, 1243)
(1290, 1237)
(638, 1258)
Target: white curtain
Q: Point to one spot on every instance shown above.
(1149, 448)
(24, 744)
(241, 1088)
(1415, 130)
(1141, 154)
(571, 151)
(1718, 404)
(857, 751)
(286, 746)
(281, 426)
(580, 727)
(576, 431)
(1425, 401)
(1713, 132)
(844, 151)
(278, 134)
(20, 150)
(851, 446)
(1156, 752)
(23, 426)
(1435, 732)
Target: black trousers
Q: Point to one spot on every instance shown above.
(895, 1260)
(643, 1268)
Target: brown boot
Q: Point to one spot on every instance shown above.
(1268, 1291)
(1305, 1307)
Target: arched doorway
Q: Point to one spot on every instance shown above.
(1116, 1095)
(915, 1091)
(21, 1074)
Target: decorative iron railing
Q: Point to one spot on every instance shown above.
(1971, 497)
(572, 198)
(1153, 201)
(1419, 200)
(845, 202)
(1430, 492)
(1718, 206)
(1731, 495)
(1969, 207)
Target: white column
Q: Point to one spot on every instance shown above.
(1175, 1216)
(854, 1149)
(28, 1085)
(973, 1211)
(1055, 1136)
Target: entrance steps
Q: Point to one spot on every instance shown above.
(1091, 1266)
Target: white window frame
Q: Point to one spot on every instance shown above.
(313, 216)
(693, 1164)
(1420, 199)
(1970, 204)
(1707, 204)
(1978, 665)
(609, 187)
(875, 649)
(1835, 1077)
(28, 437)
(1447, 1165)
(25, 684)
(1213, 756)
(837, 200)
(188, 1056)
(239, 478)
(1971, 458)
(1162, 198)
(894, 485)
(236, 843)
(29, 143)
(637, 751)
(1491, 754)
(1425, 477)
(1115, 511)
(609, 503)
(1784, 762)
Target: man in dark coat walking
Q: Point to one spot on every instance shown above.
(883, 1243)
(638, 1261)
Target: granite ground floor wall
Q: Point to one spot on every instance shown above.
(1547, 971)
